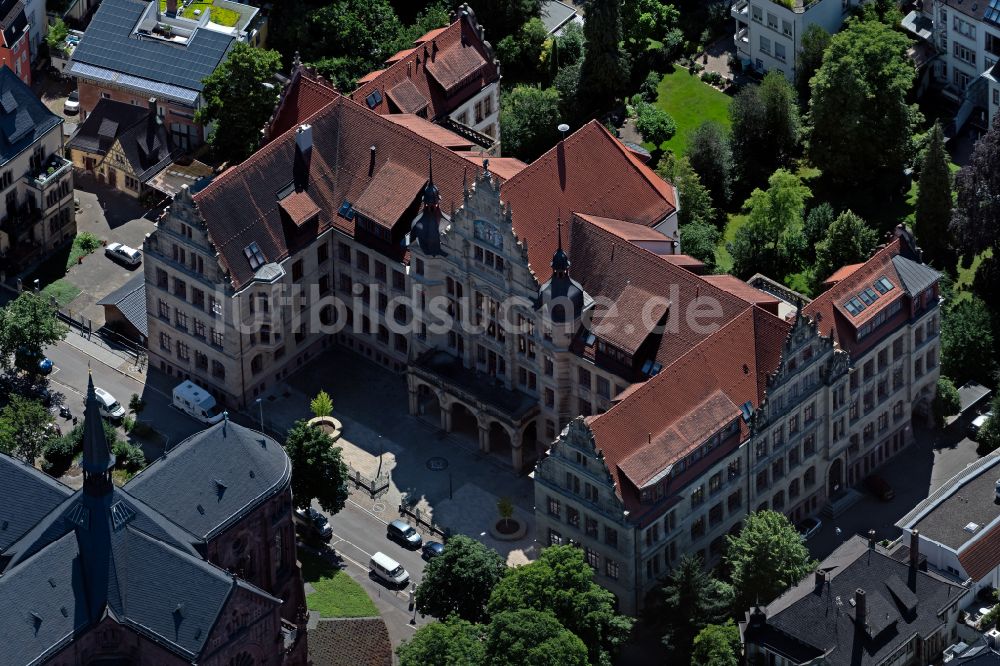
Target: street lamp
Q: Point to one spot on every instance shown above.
(413, 603)
(381, 449)
(260, 405)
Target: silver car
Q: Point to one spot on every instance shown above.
(123, 254)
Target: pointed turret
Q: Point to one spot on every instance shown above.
(560, 260)
(98, 461)
(426, 230)
(563, 298)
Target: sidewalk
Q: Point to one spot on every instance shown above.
(95, 348)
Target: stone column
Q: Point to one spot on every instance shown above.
(517, 452)
(414, 401)
(445, 417)
(484, 437)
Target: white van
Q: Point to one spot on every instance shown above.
(108, 406)
(196, 401)
(388, 570)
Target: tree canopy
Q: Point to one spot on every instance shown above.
(711, 157)
(860, 99)
(318, 469)
(561, 582)
(520, 52)
(765, 558)
(695, 200)
(717, 645)
(770, 241)
(645, 22)
(460, 580)
(529, 117)
(967, 341)
(534, 638)
(654, 124)
(605, 70)
(500, 18)
(849, 240)
(934, 202)
(239, 98)
(452, 642)
(692, 600)
(24, 428)
(813, 45)
(765, 129)
(946, 400)
(27, 325)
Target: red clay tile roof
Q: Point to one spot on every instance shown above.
(589, 172)
(459, 48)
(625, 230)
(436, 133)
(399, 55)
(428, 36)
(841, 273)
(299, 206)
(303, 97)
(406, 96)
(741, 289)
(370, 76)
(982, 556)
(350, 642)
(642, 311)
(659, 422)
(389, 193)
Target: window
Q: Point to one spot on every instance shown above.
(362, 262)
(779, 51)
(611, 536)
(778, 469)
(809, 445)
(183, 352)
(164, 310)
(715, 483)
(590, 527)
(603, 387)
(297, 270)
(199, 328)
(765, 45)
(761, 480)
(793, 489)
(218, 370)
(584, 378)
(345, 252)
(786, 28)
(734, 468)
(217, 338)
(698, 528)
(572, 516)
(548, 366)
(734, 501)
(772, 21)
(757, 14)
(180, 289)
(963, 28)
(550, 397)
(165, 342)
(398, 281)
(698, 496)
(793, 425)
(810, 412)
(611, 569)
(593, 559)
(590, 492)
(181, 319)
(420, 267)
(322, 253)
(198, 298)
(554, 507)
(555, 539)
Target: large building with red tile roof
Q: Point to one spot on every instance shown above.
(449, 76)
(759, 413)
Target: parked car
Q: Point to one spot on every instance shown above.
(809, 527)
(389, 570)
(879, 487)
(404, 534)
(72, 105)
(313, 523)
(32, 362)
(123, 254)
(108, 406)
(432, 549)
(978, 423)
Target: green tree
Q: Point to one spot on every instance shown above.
(561, 582)
(711, 157)
(946, 400)
(453, 642)
(528, 121)
(654, 124)
(521, 52)
(136, 404)
(567, 47)
(567, 84)
(766, 557)
(692, 600)
(717, 645)
(504, 17)
(765, 128)
(700, 240)
(434, 15)
(814, 42)
(848, 241)
(816, 226)
(460, 580)
(934, 202)
(988, 437)
(321, 405)
(57, 35)
(967, 341)
(365, 32)
(27, 325)
(645, 22)
(505, 509)
(770, 240)
(860, 99)
(318, 469)
(695, 200)
(25, 428)
(605, 70)
(534, 638)
(239, 97)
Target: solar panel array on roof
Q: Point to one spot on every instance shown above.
(8, 102)
(993, 12)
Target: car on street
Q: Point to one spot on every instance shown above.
(123, 254)
(32, 362)
(879, 487)
(108, 406)
(403, 533)
(314, 524)
(978, 423)
(72, 105)
(809, 527)
(388, 570)
(432, 549)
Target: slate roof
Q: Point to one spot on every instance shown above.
(431, 73)
(806, 622)
(109, 44)
(130, 299)
(98, 132)
(23, 118)
(969, 497)
(28, 497)
(360, 641)
(13, 21)
(213, 478)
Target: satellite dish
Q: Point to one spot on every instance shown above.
(563, 127)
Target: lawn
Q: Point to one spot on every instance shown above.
(220, 15)
(690, 102)
(62, 290)
(335, 593)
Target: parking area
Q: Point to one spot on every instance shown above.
(53, 93)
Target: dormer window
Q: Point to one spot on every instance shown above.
(254, 256)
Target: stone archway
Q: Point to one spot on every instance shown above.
(463, 420)
(428, 403)
(835, 477)
(532, 448)
(500, 441)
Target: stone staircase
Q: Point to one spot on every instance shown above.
(841, 502)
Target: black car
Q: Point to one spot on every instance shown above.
(879, 487)
(313, 524)
(432, 549)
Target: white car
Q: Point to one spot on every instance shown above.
(108, 406)
(123, 254)
(72, 105)
(978, 423)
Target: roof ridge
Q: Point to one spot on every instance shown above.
(405, 59)
(643, 169)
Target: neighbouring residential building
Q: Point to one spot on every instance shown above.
(123, 145)
(959, 526)
(336, 204)
(191, 562)
(125, 310)
(38, 26)
(864, 604)
(36, 181)
(133, 51)
(769, 32)
(450, 76)
(15, 42)
(758, 414)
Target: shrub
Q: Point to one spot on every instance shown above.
(60, 451)
(648, 89)
(654, 124)
(128, 423)
(946, 402)
(129, 456)
(136, 403)
(87, 241)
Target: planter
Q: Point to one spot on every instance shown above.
(331, 426)
(508, 530)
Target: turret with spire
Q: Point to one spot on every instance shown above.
(563, 298)
(98, 461)
(426, 230)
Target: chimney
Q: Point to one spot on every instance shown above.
(915, 548)
(371, 163)
(871, 539)
(303, 156)
(152, 105)
(172, 7)
(860, 609)
(820, 579)
(757, 618)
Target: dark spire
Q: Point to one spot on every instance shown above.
(431, 194)
(98, 461)
(560, 260)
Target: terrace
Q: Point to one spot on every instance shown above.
(194, 9)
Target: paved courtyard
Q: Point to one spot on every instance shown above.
(444, 474)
